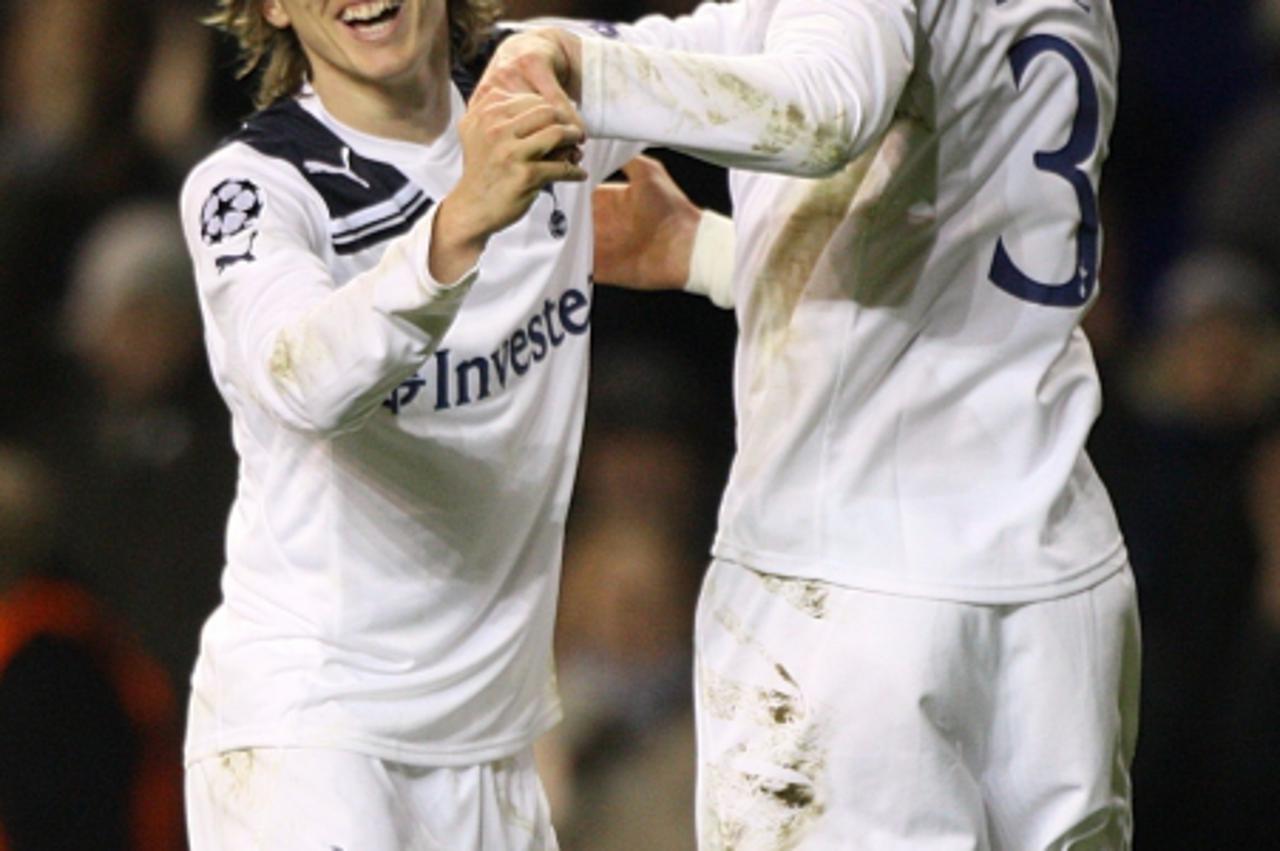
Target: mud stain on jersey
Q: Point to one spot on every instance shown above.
(725, 97)
(282, 360)
(785, 125)
(291, 353)
(806, 595)
(635, 65)
(892, 218)
(796, 251)
(823, 144)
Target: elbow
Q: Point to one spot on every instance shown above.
(318, 417)
(821, 131)
(330, 422)
(794, 144)
(825, 160)
(840, 111)
(303, 407)
(818, 148)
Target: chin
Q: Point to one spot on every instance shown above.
(388, 68)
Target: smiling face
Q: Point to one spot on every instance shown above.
(379, 45)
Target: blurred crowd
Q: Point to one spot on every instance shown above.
(116, 470)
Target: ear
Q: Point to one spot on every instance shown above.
(274, 12)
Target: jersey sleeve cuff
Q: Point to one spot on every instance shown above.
(422, 254)
(592, 83)
(406, 287)
(711, 262)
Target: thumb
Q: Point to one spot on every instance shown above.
(643, 168)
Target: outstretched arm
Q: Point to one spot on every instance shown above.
(824, 86)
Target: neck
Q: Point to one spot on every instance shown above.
(411, 110)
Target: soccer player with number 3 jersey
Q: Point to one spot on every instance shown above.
(919, 630)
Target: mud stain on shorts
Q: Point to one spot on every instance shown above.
(238, 769)
(238, 766)
(765, 792)
(728, 699)
(510, 811)
(806, 595)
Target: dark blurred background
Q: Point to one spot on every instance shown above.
(116, 470)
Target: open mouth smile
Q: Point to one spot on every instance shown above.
(373, 19)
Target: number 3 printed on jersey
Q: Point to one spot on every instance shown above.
(1064, 163)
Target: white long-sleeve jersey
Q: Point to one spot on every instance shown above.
(406, 448)
(912, 388)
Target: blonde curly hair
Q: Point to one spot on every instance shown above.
(277, 54)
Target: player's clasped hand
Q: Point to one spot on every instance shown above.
(541, 61)
(512, 146)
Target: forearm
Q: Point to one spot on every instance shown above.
(711, 27)
(328, 367)
(823, 88)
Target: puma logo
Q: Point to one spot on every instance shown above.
(343, 170)
(227, 260)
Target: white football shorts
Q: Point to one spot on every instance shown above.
(833, 718)
(311, 799)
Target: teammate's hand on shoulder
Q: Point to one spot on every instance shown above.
(512, 146)
(644, 229)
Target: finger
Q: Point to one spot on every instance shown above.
(530, 178)
(491, 87)
(540, 144)
(572, 153)
(501, 73)
(510, 84)
(542, 78)
(643, 168)
(543, 172)
(541, 116)
(496, 104)
(525, 113)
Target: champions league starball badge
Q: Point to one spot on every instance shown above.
(231, 208)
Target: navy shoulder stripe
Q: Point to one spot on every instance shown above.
(368, 201)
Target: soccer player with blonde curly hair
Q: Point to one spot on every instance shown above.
(396, 290)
